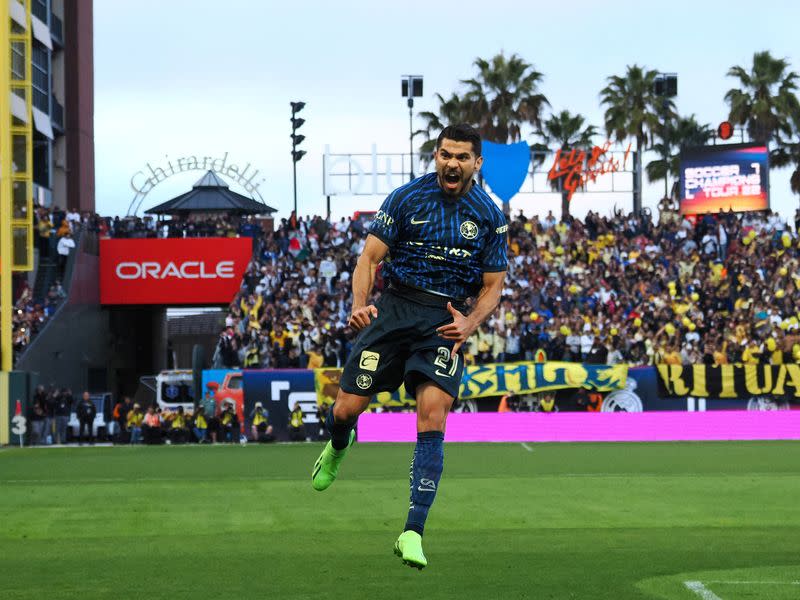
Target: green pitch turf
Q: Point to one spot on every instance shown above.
(557, 521)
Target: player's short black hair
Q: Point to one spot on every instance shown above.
(461, 133)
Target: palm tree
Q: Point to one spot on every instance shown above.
(684, 132)
(765, 102)
(499, 102)
(451, 110)
(567, 132)
(503, 97)
(633, 110)
(793, 151)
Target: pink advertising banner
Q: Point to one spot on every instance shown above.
(591, 427)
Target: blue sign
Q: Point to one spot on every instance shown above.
(278, 391)
(505, 167)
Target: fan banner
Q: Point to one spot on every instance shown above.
(497, 379)
(729, 381)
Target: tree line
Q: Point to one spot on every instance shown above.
(504, 102)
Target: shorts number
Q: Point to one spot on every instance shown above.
(443, 357)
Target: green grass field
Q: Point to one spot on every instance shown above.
(593, 521)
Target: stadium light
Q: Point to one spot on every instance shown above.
(411, 87)
(297, 139)
(665, 86)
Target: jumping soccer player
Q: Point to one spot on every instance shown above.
(447, 242)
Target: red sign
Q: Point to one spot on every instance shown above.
(172, 271)
(579, 167)
(725, 130)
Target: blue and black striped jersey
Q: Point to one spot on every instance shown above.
(438, 243)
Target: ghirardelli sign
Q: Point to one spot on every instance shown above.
(172, 271)
(144, 180)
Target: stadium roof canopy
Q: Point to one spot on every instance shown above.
(209, 195)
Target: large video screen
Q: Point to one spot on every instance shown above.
(732, 176)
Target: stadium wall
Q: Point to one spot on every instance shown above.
(581, 414)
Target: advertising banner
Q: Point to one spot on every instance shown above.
(172, 271)
(583, 427)
(279, 390)
(731, 176)
(497, 379)
(223, 385)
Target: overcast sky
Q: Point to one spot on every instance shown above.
(196, 77)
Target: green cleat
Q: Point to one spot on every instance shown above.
(409, 547)
(327, 466)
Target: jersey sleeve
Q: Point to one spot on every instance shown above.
(494, 256)
(386, 224)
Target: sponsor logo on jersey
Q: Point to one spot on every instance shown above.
(369, 361)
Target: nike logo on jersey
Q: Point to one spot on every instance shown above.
(415, 222)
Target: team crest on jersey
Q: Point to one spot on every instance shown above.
(364, 381)
(369, 360)
(469, 230)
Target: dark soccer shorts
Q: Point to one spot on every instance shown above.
(401, 346)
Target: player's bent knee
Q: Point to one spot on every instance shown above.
(434, 420)
(348, 406)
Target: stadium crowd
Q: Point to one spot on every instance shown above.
(615, 288)
(608, 289)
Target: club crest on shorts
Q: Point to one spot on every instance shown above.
(369, 361)
(364, 381)
(469, 230)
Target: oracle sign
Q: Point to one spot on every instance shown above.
(172, 271)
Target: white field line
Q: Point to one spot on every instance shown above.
(698, 588)
(528, 448)
(756, 582)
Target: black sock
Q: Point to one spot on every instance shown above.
(340, 432)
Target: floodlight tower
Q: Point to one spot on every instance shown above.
(411, 88)
(665, 86)
(296, 141)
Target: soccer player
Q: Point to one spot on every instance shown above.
(444, 240)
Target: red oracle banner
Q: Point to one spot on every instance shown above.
(172, 271)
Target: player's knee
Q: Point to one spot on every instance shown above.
(432, 418)
(345, 410)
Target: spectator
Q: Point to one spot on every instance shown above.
(44, 229)
(37, 419)
(261, 430)
(65, 245)
(63, 408)
(228, 422)
(86, 413)
(134, 422)
(178, 428)
(200, 428)
(151, 426)
(297, 428)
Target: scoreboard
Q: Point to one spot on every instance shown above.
(719, 178)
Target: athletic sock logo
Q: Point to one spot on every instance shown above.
(426, 485)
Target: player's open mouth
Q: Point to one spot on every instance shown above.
(452, 180)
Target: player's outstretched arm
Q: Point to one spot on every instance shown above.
(374, 251)
(464, 326)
